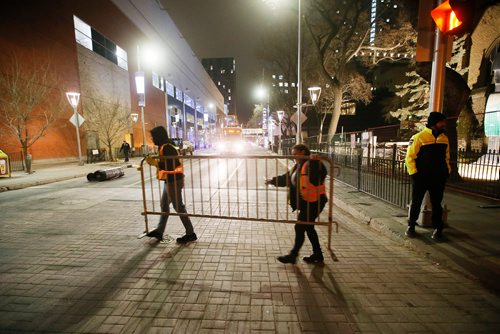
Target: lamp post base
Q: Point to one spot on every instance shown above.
(144, 150)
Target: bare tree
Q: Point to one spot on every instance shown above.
(340, 31)
(29, 105)
(108, 120)
(278, 50)
(256, 118)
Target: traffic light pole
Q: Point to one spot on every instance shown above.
(438, 71)
(435, 104)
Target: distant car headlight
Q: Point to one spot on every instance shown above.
(239, 147)
(221, 146)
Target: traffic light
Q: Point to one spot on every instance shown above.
(453, 17)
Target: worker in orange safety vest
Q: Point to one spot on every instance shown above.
(170, 171)
(305, 182)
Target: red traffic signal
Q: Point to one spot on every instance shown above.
(447, 18)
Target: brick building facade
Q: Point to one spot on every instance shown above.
(91, 47)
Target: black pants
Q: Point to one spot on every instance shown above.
(308, 213)
(436, 190)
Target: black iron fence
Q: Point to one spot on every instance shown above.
(383, 178)
(16, 161)
(380, 170)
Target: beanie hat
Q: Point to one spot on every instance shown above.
(434, 118)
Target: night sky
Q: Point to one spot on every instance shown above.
(226, 28)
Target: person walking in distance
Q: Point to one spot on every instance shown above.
(305, 182)
(171, 172)
(428, 163)
(126, 149)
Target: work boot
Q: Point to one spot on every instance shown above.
(410, 232)
(187, 238)
(287, 259)
(155, 234)
(437, 235)
(315, 258)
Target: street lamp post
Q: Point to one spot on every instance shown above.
(298, 139)
(263, 93)
(280, 117)
(174, 125)
(135, 118)
(141, 102)
(73, 99)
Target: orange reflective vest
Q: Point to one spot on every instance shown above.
(309, 191)
(162, 174)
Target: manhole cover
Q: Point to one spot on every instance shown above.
(74, 201)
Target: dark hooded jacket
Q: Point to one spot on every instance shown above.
(168, 150)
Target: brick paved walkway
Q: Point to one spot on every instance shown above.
(76, 270)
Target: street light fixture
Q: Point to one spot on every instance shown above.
(314, 92)
(135, 117)
(73, 99)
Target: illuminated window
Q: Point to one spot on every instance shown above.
(169, 88)
(156, 80)
(93, 40)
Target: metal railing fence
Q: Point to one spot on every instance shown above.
(380, 170)
(233, 188)
(16, 161)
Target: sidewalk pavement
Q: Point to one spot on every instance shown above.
(471, 241)
(472, 238)
(49, 173)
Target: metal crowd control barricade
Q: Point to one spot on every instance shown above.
(233, 188)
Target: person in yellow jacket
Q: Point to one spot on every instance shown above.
(306, 188)
(428, 163)
(171, 172)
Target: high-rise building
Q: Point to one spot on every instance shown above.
(281, 84)
(223, 73)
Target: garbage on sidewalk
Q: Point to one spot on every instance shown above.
(105, 174)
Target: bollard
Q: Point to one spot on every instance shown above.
(425, 217)
(106, 174)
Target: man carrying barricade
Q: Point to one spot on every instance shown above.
(170, 171)
(305, 182)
